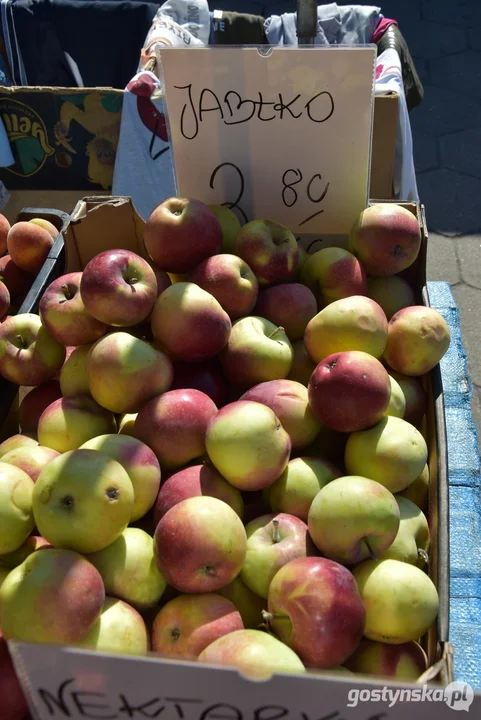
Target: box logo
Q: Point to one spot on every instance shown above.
(27, 135)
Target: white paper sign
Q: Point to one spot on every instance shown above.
(285, 137)
(78, 685)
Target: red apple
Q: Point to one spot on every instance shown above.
(290, 305)
(334, 273)
(16, 441)
(13, 703)
(231, 281)
(200, 545)
(118, 288)
(270, 249)
(174, 424)
(195, 481)
(386, 239)
(28, 355)
(316, 609)
(35, 402)
(415, 396)
(4, 228)
(69, 422)
(289, 402)
(180, 233)
(205, 376)
(32, 544)
(349, 391)
(4, 299)
(28, 246)
(189, 623)
(163, 279)
(31, 460)
(302, 365)
(64, 315)
(18, 281)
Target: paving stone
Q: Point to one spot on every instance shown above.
(452, 201)
(422, 67)
(469, 304)
(474, 34)
(426, 155)
(463, 13)
(443, 111)
(432, 40)
(468, 250)
(462, 151)
(461, 72)
(442, 263)
(405, 12)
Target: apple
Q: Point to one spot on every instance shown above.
(14, 705)
(349, 391)
(269, 248)
(418, 337)
(189, 324)
(414, 396)
(53, 597)
(401, 601)
(254, 653)
(229, 224)
(411, 543)
(35, 402)
(257, 351)
(248, 445)
(386, 238)
(353, 323)
(301, 261)
(128, 569)
(290, 305)
(4, 229)
(392, 452)
(205, 376)
(163, 279)
(352, 519)
(119, 629)
(180, 233)
(31, 545)
(28, 355)
(329, 445)
(124, 372)
(174, 424)
(64, 315)
(31, 460)
(127, 424)
(18, 281)
(46, 225)
(397, 401)
(16, 441)
(196, 481)
(28, 245)
(4, 299)
(231, 281)
(118, 288)
(200, 545)
(316, 609)
(273, 541)
(334, 273)
(302, 365)
(138, 461)
(69, 422)
(400, 662)
(418, 491)
(16, 518)
(392, 293)
(294, 491)
(82, 501)
(289, 402)
(248, 603)
(73, 375)
(189, 623)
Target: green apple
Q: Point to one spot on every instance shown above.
(13, 559)
(70, 421)
(73, 375)
(127, 423)
(334, 273)
(418, 337)
(401, 601)
(302, 365)
(352, 519)
(393, 452)
(411, 543)
(229, 224)
(140, 464)
(256, 654)
(418, 491)
(119, 629)
(128, 569)
(17, 441)
(16, 517)
(401, 662)
(294, 491)
(397, 401)
(249, 604)
(4, 571)
(31, 460)
(82, 501)
(392, 293)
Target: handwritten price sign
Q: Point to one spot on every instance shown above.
(282, 135)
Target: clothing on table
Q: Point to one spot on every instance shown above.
(413, 88)
(381, 28)
(192, 15)
(232, 28)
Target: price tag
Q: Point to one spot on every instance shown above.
(275, 133)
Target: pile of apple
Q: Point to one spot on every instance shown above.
(24, 247)
(279, 396)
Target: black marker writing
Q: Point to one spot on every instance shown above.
(234, 204)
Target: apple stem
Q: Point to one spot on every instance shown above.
(370, 550)
(278, 329)
(21, 341)
(423, 554)
(66, 292)
(276, 537)
(267, 617)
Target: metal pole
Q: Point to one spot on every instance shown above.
(306, 21)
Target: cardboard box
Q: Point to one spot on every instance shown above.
(65, 139)
(64, 682)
